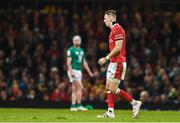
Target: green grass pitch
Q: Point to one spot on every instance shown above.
(65, 115)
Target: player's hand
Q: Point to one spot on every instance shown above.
(91, 74)
(72, 73)
(102, 61)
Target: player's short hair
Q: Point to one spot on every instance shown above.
(76, 37)
(111, 12)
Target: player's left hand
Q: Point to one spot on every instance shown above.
(91, 74)
(102, 61)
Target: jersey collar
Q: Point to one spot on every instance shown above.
(114, 25)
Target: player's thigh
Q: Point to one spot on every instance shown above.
(109, 75)
(113, 85)
(79, 79)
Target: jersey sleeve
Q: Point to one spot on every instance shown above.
(118, 34)
(69, 53)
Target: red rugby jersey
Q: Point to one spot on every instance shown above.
(117, 33)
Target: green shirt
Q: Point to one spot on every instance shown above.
(77, 56)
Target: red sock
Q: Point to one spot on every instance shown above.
(124, 95)
(110, 97)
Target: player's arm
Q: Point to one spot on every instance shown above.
(86, 67)
(69, 59)
(116, 50)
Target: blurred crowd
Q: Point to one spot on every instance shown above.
(33, 44)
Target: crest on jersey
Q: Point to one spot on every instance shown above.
(68, 53)
(77, 52)
(81, 53)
